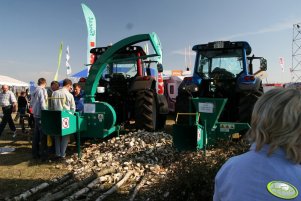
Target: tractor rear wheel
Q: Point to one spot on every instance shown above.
(146, 110)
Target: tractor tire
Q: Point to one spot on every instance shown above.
(246, 105)
(146, 110)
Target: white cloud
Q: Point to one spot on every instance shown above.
(269, 29)
(182, 52)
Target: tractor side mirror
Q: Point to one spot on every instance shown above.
(160, 68)
(263, 64)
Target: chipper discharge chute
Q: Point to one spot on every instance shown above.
(202, 127)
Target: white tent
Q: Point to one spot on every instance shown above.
(5, 80)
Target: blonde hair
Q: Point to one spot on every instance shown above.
(276, 120)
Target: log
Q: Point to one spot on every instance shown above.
(30, 192)
(91, 185)
(69, 189)
(116, 186)
(137, 188)
(34, 190)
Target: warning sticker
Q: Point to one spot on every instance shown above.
(226, 127)
(89, 108)
(206, 107)
(65, 122)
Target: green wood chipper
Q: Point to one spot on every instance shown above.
(98, 119)
(202, 128)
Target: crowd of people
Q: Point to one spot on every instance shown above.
(30, 106)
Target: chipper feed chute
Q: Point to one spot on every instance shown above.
(204, 129)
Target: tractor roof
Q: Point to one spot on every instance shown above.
(224, 45)
(124, 53)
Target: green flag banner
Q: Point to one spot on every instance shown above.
(59, 62)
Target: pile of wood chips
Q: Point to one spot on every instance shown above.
(121, 164)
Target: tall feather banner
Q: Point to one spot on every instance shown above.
(91, 26)
(69, 71)
(59, 62)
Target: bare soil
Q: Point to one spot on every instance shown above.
(18, 170)
(189, 173)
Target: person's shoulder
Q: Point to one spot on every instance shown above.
(57, 92)
(239, 162)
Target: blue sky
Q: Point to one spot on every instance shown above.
(31, 31)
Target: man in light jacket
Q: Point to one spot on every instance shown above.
(62, 99)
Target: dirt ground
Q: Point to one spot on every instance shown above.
(20, 172)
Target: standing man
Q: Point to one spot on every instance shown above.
(39, 103)
(8, 103)
(78, 97)
(55, 85)
(62, 99)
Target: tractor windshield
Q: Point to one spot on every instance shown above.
(128, 69)
(221, 60)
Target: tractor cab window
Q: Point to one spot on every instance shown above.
(204, 67)
(128, 70)
(229, 60)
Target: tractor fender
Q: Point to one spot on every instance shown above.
(250, 86)
(162, 104)
(142, 83)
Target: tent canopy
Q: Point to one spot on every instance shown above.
(5, 80)
(80, 74)
(119, 69)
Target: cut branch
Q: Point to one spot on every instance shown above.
(40, 187)
(115, 187)
(137, 188)
(91, 185)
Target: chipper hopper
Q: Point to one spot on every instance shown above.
(98, 119)
(202, 127)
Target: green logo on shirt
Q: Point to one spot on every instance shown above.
(282, 190)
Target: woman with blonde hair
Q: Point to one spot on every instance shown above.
(271, 170)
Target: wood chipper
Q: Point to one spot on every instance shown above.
(98, 119)
(222, 92)
(202, 128)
